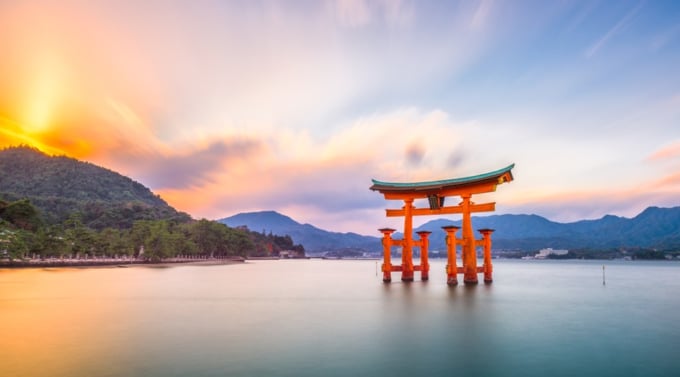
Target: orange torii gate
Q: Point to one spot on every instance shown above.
(436, 192)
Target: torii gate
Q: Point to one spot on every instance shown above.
(436, 192)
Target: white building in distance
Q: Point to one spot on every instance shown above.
(543, 253)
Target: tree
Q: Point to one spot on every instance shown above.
(12, 244)
(210, 237)
(110, 242)
(51, 242)
(141, 230)
(239, 242)
(22, 214)
(80, 238)
(160, 243)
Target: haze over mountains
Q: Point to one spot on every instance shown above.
(653, 228)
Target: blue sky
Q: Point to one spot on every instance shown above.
(223, 107)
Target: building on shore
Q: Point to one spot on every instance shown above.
(544, 253)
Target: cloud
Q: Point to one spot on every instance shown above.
(323, 180)
(664, 38)
(294, 170)
(12, 134)
(353, 13)
(415, 153)
(456, 159)
(249, 68)
(579, 204)
(670, 181)
(480, 17)
(388, 144)
(620, 25)
(325, 188)
(599, 205)
(194, 168)
(360, 13)
(310, 191)
(667, 152)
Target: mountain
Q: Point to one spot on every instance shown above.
(314, 240)
(653, 228)
(59, 186)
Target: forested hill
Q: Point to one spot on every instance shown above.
(59, 186)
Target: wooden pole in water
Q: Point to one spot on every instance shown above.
(603, 281)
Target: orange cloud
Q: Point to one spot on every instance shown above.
(12, 134)
(592, 203)
(71, 80)
(672, 180)
(669, 151)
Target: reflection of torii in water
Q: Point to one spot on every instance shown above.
(436, 192)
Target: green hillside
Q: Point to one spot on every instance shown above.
(60, 186)
(59, 207)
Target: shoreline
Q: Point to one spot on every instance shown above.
(58, 263)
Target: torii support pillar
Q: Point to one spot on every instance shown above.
(387, 248)
(488, 268)
(424, 263)
(469, 249)
(407, 267)
(451, 268)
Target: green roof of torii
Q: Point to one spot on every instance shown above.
(429, 185)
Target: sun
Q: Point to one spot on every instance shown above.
(38, 115)
(43, 94)
(31, 114)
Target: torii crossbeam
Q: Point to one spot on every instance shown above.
(436, 192)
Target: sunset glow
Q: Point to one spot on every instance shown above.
(224, 107)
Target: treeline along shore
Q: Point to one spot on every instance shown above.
(27, 240)
(55, 210)
(123, 261)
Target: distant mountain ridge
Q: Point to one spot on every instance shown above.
(314, 240)
(60, 185)
(653, 228)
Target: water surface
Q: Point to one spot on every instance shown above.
(337, 318)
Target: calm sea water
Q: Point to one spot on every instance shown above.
(337, 318)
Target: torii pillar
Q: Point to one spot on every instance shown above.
(451, 242)
(486, 242)
(436, 192)
(387, 253)
(424, 260)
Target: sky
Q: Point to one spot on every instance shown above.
(223, 107)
